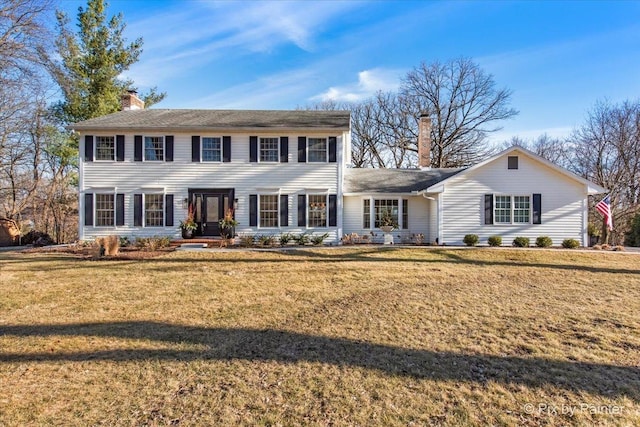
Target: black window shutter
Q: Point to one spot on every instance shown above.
(120, 148)
(137, 148)
(537, 208)
(284, 149)
(88, 148)
(226, 149)
(488, 208)
(302, 210)
(284, 210)
(302, 149)
(253, 148)
(168, 210)
(253, 210)
(88, 209)
(333, 210)
(195, 148)
(137, 210)
(119, 209)
(168, 146)
(333, 146)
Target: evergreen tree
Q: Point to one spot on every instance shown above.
(91, 63)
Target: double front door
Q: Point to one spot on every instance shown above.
(209, 206)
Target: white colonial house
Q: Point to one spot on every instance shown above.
(141, 170)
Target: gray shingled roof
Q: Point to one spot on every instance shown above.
(357, 180)
(157, 119)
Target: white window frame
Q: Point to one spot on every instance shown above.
(260, 138)
(144, 148)
(326, 210)
(277, 196)
(202, 159)
(95, 209)
(144, 209)
(372, 211)
(326, 151)
(95, 148)
(512, 209)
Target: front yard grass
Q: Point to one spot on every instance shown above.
(354, 336)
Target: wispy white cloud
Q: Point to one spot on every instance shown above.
(200, 33)
(369, 83)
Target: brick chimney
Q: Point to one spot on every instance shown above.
(130, 101)
(424, 141)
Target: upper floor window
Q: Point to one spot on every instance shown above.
(268, 210)
(317, 210)
(317, 149)
(104, 211)
(269, 149)
(154, 148)
(211, 149)
(105, 148)
(154, 210)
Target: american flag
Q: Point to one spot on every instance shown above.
(604, 207)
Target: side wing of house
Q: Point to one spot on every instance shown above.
(513, 194)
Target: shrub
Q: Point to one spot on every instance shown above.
(247, 240)
(632, 237)
(521, 242)
(38, 238)
(570, 243)
(471, 239)
(302, 239)
(318, 239)
(285, 238)
(495, 241)
(124, 242)
(152, 243)
(266, 240)
(544, 242)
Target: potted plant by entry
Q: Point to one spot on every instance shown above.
(228, 224)
(189, 225)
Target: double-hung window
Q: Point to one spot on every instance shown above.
(385, 208)
(512, 209)
(316, 210)
(211, 149)
(268, 148)
(317, 149)
(268, 210)
(154, 210)
(105, 148)
(104, 210)
(154, 148)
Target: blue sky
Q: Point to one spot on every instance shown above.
(558, 58)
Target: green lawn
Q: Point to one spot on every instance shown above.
(355, 336)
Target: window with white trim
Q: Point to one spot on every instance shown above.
(154, 148)
(154, 210)
(317, 210)
(268, 210)
(317, 150)
(512, 209)
(384, 207)
(366, 213)
(105, 147)
(105, 210)
(373, 210)
(211, 149)
(269, 149)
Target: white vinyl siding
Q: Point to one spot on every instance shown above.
(463, 203)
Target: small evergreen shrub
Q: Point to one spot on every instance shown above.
(471, 239)
(318, 239)
(285, 238)
(38, 238)
(495, 241)
(570, 243)
(521, 242)
(544, 242)
(303, 239)
(124, 242)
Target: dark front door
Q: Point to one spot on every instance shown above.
(209, 206)
(212, 211)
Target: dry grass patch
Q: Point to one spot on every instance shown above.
(356, 336)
